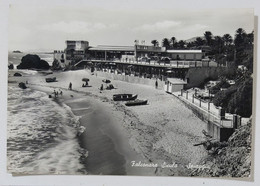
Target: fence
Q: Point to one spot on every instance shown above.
(212, 113)
(174, 64)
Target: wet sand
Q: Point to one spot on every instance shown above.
(109, 152)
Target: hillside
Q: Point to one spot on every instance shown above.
(193, 39)
(233, 160)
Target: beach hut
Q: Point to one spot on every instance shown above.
(174, 85)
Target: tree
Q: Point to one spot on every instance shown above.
(250, 37)
(240, 37)
(218, 46)
(199, 41)
(56, 65)
(243, 46)
(173, 42)
(155, 42)
(241, 101)
(166, 43)
(181, 44)
(227, 38)
(208, 37)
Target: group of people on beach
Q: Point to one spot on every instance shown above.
(56, 93)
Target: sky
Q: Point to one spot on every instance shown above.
(46, 28)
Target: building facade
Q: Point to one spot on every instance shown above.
(189, 55)
(59, 57)
(75, 51)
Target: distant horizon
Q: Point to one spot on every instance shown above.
(52, 26)
(52, 50)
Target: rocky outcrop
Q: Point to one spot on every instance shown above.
(17, 74)
(233, 160)
(22, 85)
(10, 66)
(33, 62)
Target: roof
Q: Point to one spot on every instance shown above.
(184, 51)
(176, 81)
(112, 48)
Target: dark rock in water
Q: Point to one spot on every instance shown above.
(11, 66)
(22, 85)
(17, 51)
(17, 74)
(33, 62)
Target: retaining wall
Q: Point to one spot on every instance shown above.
(197, 76)
(131, 79)
(213, 128)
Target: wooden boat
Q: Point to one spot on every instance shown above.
(50, 79)
(124, 97)
(136, 102)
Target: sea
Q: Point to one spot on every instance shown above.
(42, 134)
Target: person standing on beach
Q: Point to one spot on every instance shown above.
(156, 84)
(55, 93)
(70, 86)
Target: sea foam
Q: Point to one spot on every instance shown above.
(42, 135)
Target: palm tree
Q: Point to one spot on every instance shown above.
(155, 42)
(208, 36)
(240, 31)
(227, 38)
(173, 42)
(240, 42)
(218, 45)
(239, 37)
(166, 43)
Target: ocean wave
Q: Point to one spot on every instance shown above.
(42, 135)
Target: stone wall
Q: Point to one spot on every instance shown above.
(197, 76)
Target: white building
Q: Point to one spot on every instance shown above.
(189, 55)
(174, 85)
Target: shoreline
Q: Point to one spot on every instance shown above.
(168, 138)
(120, 154)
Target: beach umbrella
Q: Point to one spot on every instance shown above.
(85, 79)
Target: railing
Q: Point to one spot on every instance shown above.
(214, 114)
(174, 64)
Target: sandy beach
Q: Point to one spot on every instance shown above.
(124, 140)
